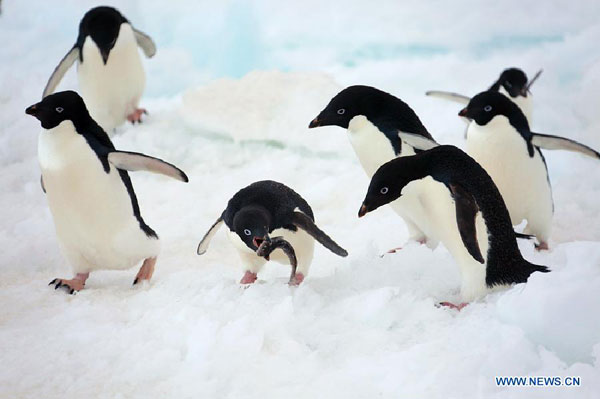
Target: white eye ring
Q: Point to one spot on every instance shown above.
(487, 108)
(384, 190)
(507, 83)
(341, 111)
(59, 109)
(247, 232)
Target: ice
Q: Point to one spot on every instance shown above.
(230, 93)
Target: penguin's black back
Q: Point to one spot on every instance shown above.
(280, 200)
(505, 264)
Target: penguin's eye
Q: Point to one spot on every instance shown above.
(341, 111)
(59, 109)
(384, 190)
(247, 232)
(487, 108)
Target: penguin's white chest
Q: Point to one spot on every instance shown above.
(372, 147)
(521, 179)
(92, 210)
(524, 103)
(112, 91)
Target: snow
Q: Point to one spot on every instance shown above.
(230, 93)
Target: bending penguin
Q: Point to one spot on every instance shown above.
(263, 210)
(110, 71)
(481, 215)
(499, 138)
(95, 210)
(512, 83)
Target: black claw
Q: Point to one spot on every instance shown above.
(72, 291)
(145, 112)
(52, 282)
(135, 281)
(58, 285)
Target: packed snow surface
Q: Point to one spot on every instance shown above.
(230, 94)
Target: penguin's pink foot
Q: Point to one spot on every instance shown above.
(453, 306)
(75, 284)
(146, 271)
(249, 278)
(422, 241)
(542, 246)
(297, 279)
(136, 116)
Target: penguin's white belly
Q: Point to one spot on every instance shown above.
(522, 180)
(112, 91)
(92, 210)
(373, 149)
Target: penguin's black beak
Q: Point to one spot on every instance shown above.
(463, 112)
(363, 210)
(524, 91)
(314, 123)
(32, 110)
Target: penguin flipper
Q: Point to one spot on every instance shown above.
(536, 76)
(550, 142)
(145, 42)
(204, 243)
(60, 70)
(133, 161)
(466, 211)
(417, 141)
(448, 95)
(305, 223)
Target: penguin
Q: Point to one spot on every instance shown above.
(110, 71)
(482, 218)
(266, 209)
(93, 204)
(499, 138)
(512, 82)
(373, 119)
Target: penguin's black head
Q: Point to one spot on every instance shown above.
(514, 82)
(102, 24)
(252, 224)
(350, 102)
(59, 107)
(486, 105)
(386, 185)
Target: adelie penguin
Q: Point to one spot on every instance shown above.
(268, 209)
(95, 210)
(499, 138)
(512, 83)
(373, 119)
(110, 71)
(481, 215)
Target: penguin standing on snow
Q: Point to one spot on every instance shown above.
(481, 215)
(95, 210)
(110, 72)
(512, 83)
(265, 209)
(499, 138)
